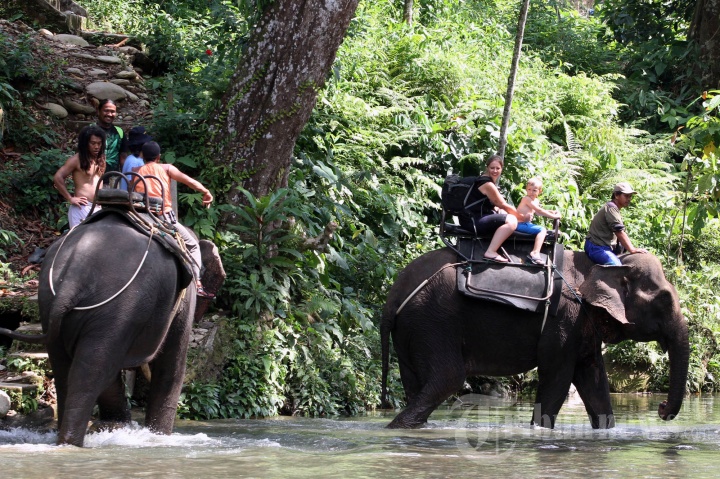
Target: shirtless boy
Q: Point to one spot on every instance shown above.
(529, 207)
(86, 168)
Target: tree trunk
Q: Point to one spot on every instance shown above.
(408, 12)
(705, 30)
(274, 89)
(512, 76)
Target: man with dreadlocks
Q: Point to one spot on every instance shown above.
(86, 168)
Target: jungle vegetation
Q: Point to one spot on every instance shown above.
(597, 100)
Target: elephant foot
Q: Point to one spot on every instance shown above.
(603, 421)
(401, 422)
(98, 426)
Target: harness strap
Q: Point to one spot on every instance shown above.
(422, 285)
(83, 308)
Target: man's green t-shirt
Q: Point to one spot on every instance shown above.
(115, 143)
(605, 224)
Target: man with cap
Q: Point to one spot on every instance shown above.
(136, 139)
(152, 166)
(607, 229)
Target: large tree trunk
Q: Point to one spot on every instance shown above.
(705, 30)
(274, 90)
(408, 12)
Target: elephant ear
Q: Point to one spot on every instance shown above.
(604, 288)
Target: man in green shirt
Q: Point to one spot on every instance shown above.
(607, 229)
(116, 146)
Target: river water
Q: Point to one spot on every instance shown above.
(478, 436)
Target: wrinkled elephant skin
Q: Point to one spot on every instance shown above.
(148, 322)
(441, 337)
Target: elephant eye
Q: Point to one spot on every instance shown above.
(625, 287)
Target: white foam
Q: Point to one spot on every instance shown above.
(30, 440)
(134, 435)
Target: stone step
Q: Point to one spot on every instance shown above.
(24, 328)
(23, 388)
(36, 355)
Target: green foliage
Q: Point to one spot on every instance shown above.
(23, 80)
(29, 182)
(701, 173)
(566, 40)
(7, 238)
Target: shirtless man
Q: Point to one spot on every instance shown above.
(86, 168)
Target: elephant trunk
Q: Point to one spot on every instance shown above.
(679, 354)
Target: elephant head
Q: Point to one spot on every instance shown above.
(635, 301)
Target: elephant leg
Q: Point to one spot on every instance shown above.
(553, 386)
(437, 386)
(82, 392)
(168, 372)
(60, 364)
(112, 403)
(591, 382)
(410, 381)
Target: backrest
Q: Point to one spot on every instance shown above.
(455, 192)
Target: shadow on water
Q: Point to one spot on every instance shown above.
(475, 436)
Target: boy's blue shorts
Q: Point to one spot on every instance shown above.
(529, 228)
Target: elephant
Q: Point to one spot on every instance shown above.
(441, 336)
(105, 307)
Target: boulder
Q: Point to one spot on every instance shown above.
(108, 59)
(4, 404)
(102, 90)
(75, 107)
(71, 39)
(127, 75)
(96, 72)
(74, 71)
(57, 110)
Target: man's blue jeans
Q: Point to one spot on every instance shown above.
(601, 254)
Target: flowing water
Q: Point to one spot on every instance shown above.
(476, 437)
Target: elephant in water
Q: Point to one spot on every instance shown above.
(441, 336)
(104, 307)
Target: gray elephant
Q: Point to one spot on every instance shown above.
(112, 298)
(441, 336)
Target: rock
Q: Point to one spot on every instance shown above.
(84, 55)
(4, 404)
(46, 32)
(132, 96)
(128, 50)
(102, 90)
(43, 418)
(213, 276)
(128, 119)
(109, 59)
(71, 39)
(96, 72)
(127, 75)
(74, 71)
(74, 86)
(56, 109)
(120, 81)
(80, 116)
(75, 107)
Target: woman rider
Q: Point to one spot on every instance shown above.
(491, 213)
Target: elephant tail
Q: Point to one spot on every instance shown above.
(28, 338)
(386, 326)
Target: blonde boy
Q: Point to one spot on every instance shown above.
(529, 206)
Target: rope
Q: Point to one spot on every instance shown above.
(422, 285)
(83, 308)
